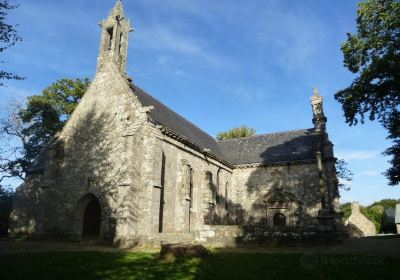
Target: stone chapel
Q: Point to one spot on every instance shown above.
(129, 170)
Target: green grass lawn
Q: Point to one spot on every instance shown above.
(220, 265)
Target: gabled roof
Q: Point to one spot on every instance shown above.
(289, 146)
(164, 116)
(297, 145)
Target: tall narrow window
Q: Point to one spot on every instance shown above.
(191, 186)
(160, 225)
(110, 32)
(189, 199)
(226, 196)
(211, 186)
(217, 198)
(121, 38)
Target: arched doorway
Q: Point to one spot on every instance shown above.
(279, 220)
(91, 218)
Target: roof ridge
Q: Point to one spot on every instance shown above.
(266, 134)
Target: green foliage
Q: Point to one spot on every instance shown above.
(343, 173)
(35, 124)
(237, 132)
(386, 203)
(47, 113)
(6, 197)
(8, 37)
(373, 53)
(373, 212)
(346, 208)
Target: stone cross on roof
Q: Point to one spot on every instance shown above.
(315, 91)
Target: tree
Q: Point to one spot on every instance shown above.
(6, 198)
(237, 132)
(373, 53)
(373, 212)
(343, 173)
(346, 208)
(8, 38)
(36, 123)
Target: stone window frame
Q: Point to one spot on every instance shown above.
(287, 208)
(189, 197)
(211, 187)
(226, 204)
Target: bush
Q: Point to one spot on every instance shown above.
(373, 212)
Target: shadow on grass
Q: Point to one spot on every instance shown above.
(94, 265)
(220, 265)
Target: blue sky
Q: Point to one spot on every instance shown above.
(220, 64)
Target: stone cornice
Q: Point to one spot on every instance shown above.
(281, 163)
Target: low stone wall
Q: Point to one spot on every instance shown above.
(232, 236)
(224, 236)
(287, 235)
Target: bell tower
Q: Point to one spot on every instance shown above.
(114, 39)
(319, 118)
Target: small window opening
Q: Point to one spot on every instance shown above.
(120, 43)
(110, 32)
(226, 196)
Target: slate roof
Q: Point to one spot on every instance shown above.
(163, 115)
(270, 148)
(286, 146)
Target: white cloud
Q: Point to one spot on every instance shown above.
(162, 38)
(357, 155)
(370, 173)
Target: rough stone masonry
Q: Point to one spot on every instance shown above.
(129, 170)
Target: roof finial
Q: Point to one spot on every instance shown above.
(118, 9)
(315, 91)
(118, 3)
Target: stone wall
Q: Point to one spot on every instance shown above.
(221, 236)
(25, 217)
(98, 152)
(150, 186)
(181, 176)
(293, 190)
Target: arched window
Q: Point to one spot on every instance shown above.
(226, 196)
(279, 220)
(211, 186)
(217, 191)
